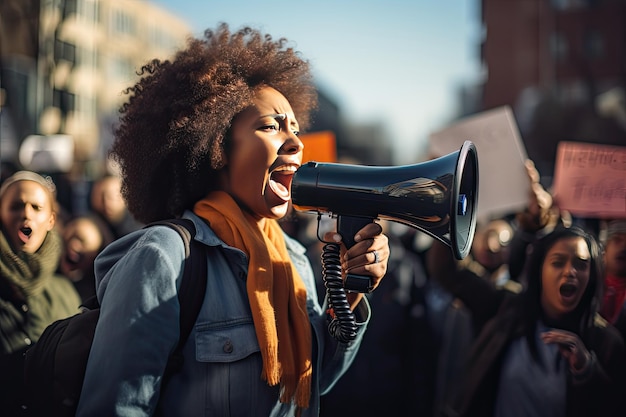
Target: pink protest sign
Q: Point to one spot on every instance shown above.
(590, 179)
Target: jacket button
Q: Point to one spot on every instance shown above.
(228, 347)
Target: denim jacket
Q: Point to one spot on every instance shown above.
(137, 278)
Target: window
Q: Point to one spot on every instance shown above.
(64, 100)
(87, 9)
(69, 8)
(65, 51)
(123, 23)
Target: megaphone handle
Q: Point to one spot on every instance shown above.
(347, 227)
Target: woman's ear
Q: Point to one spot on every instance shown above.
(51, 221)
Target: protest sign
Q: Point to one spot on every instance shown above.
(503, 181)
(319, 147)
(590, 179)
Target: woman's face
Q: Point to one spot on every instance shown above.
(82, 242)
(265, 153)
(106, 199)
(564, 276)
(615, 255)
(27, 215)
(491, 244)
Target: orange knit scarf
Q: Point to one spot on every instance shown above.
(276, 292)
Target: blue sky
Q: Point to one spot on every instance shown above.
(397, 62)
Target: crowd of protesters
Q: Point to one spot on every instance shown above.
(434, 314)
(532, 322)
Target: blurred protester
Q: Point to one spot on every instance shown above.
(453, 325)
(614, 303)
(546, 350)
(84, 237)
(539, 218)
(108, 203)
(397, 352)
(31, 295)
(489, 256)
(542, 216)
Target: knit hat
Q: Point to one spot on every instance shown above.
(46, 182)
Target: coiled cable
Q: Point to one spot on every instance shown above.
(342, 325)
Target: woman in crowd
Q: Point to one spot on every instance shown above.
(31, 295)
(212, 135)
(108, 204)
(84, 237)
(545, 351)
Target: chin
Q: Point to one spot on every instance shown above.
(278, 212)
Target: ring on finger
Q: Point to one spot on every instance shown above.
(376, 258)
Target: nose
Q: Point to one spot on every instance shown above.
(292, 144)
(74, 243)
(570, 269)
(28, 211)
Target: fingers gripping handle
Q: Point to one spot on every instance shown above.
(347, 227)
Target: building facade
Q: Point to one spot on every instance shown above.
(561, 65)
(64, 65)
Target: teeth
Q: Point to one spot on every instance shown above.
(286, 168)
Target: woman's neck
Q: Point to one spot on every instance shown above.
(567, 321)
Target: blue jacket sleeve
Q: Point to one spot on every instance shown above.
(136, 279)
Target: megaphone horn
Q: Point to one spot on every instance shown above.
(438, 197)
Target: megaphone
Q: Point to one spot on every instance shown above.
(438, 197)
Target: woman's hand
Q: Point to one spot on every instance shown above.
(571, 347)
(540, 211)
(368, 256)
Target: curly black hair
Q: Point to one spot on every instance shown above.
(173, 134)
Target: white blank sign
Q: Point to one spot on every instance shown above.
(503, 181)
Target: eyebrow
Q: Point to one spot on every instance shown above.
(279, 116)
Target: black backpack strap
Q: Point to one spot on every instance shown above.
(192, 289)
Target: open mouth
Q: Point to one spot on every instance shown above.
(73, 258)
(280, 181)
(24, 233)
(568, 291)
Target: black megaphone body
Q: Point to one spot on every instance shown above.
(438, 197)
